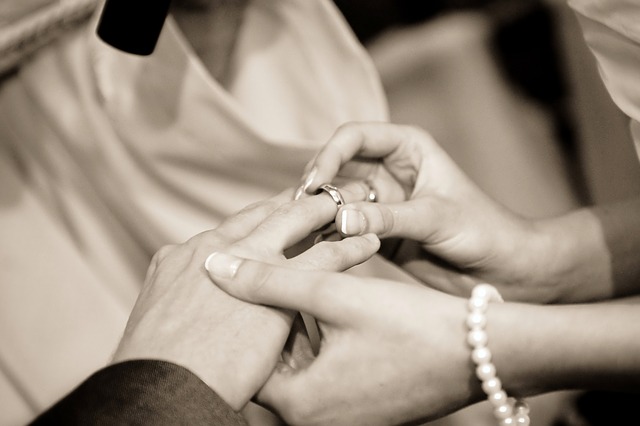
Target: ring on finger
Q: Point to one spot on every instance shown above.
(333, 192)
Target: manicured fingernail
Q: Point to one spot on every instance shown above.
(309, 179)
(298, 193)
(353, 222)
(221, 265)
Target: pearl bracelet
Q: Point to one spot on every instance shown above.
(508, 411)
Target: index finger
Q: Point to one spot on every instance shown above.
(366, 140)
(294, 221)
(242, 223)
(316, 293)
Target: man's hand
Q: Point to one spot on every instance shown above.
(230, 344)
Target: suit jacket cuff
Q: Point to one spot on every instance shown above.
(142, 392)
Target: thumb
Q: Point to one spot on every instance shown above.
(415, 219)
(312, 292)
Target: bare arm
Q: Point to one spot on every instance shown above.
(545, 348)
(591, 254)
(395, 352)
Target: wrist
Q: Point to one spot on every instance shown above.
(454, 322)
(507, 409)
(522, 271)
(539, 349)
(509, 329)
(571, 259)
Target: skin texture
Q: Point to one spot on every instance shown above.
(383, 359)
(455, 235)
(230, 344)
(395, 353)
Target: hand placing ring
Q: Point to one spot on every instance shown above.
(333, 192)
(371, 194)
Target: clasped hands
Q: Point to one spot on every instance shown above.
(366, 372)
(391, 352)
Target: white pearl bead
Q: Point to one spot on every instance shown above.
(486, 371)
(477, 338)
(492, 385)
(503, 411)
(479, 305)
(498, 398)
(481, 355)
(476, 320)
(522, 408)
(482, 291)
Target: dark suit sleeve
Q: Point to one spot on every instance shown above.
(141, 392)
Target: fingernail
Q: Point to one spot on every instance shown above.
(221, 265)
(298, 193)
(353, 222)
(309, 179)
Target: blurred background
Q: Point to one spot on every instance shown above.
(479, 74)
(508, 87)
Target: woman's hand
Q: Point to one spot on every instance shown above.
(232, 345)
(424, 196)
(391, 352)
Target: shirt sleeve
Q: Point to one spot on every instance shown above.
(612, 30)
(141, 392)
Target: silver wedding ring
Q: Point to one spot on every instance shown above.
(333, 192)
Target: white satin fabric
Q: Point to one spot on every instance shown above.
(612, 30)
(105, 157)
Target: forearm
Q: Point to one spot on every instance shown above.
(539, 349)
(569, 260)
(590, 254)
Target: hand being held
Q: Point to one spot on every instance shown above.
(391, 352)
(424, 196)
(232, 345)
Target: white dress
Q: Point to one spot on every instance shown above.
(105, 157)
(612, 30)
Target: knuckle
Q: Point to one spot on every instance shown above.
(414, 131)
(289, 208)
(329, 255)
(162, 253)
(266, 205)
(330, 251)
(295, 210)
(157, 259)
(386, 218)
(348, 127)
(351, 130)
(257, 282)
